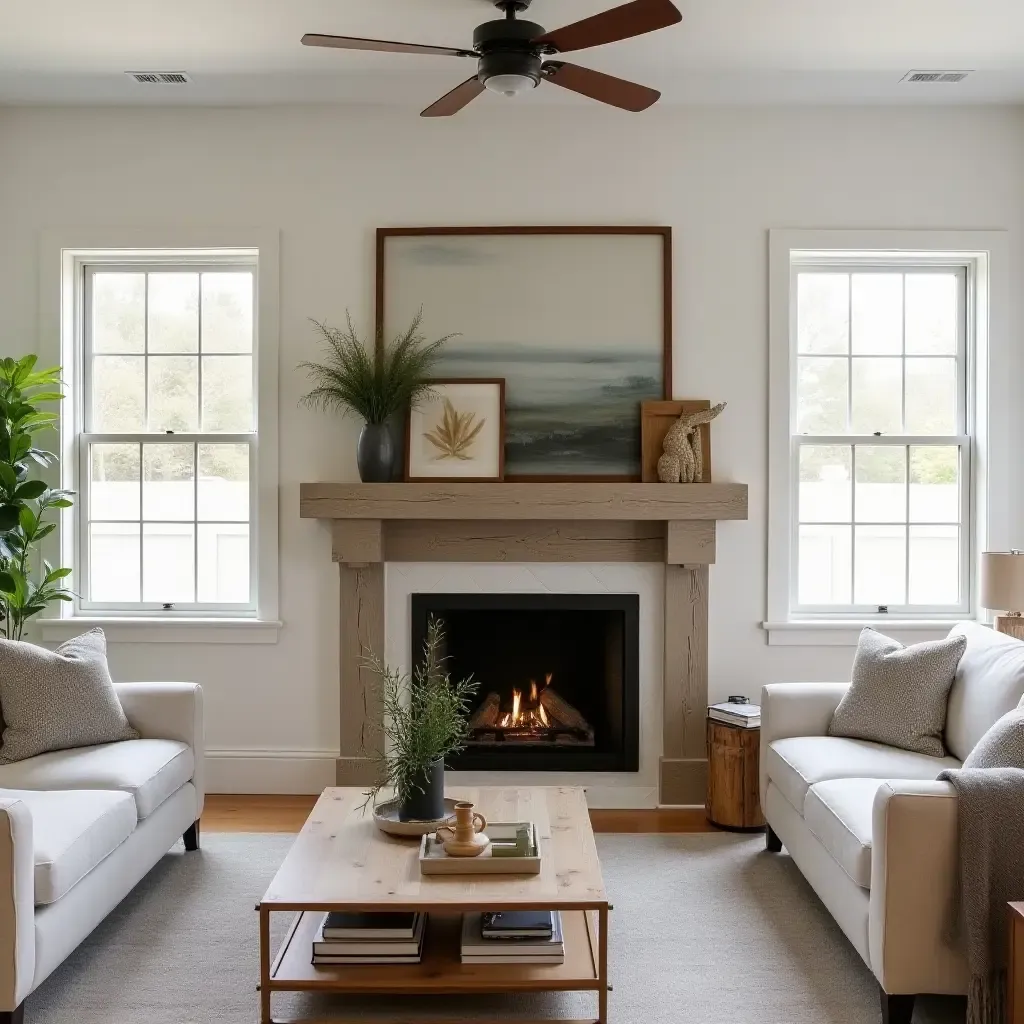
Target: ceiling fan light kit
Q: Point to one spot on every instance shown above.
(510, 54)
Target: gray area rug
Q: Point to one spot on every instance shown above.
(707, 928)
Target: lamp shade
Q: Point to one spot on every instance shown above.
(1002, 580)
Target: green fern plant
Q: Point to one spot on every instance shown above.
(375, 384)
(425, 716)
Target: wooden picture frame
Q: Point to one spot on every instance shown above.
(576, 406)
(426, 414)
(656, 418)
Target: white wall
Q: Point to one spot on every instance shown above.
(328, 176)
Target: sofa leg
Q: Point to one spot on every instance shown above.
(896, 1009)
(15, 1016)
(772, 843)
(191, 838)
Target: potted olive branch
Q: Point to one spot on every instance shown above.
(425, 719)
(377, 385)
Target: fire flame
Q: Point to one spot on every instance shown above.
(532, 716)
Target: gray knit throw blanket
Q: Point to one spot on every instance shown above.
(991, 825)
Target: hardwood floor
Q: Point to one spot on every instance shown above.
(245, 813)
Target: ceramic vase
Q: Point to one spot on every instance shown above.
(463, 835)
(376, 453)
(425, 802)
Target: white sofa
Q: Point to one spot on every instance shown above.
(79, 828)
(869, 826)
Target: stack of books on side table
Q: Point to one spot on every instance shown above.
(513, 937)
(369, 938)
(745, 716)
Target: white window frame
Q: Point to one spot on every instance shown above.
(65, 259)
(985, 511)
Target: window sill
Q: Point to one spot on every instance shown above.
(157, 631)
(845, 632)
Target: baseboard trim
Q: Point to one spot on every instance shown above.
(269, 771)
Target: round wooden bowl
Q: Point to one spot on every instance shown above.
(385, 816)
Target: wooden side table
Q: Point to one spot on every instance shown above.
(733, 800)
(1015, 967)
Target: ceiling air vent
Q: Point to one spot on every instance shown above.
(930, 77)
(160, 77)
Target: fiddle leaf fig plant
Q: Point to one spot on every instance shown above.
(25, 499)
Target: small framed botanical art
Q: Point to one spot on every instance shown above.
(458, 432)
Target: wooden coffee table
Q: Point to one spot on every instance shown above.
(340, 861)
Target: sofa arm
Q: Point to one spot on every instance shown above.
(17, 903)
(168, 711)
(914, 863)
(795, 709)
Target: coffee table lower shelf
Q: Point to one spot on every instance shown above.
(441, 971)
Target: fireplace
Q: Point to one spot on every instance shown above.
(559, 677)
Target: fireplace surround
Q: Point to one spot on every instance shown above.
(596, 522)
(559, 677)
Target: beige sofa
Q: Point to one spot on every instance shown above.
(79, 828)
(872, 831)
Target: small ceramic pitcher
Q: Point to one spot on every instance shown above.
(462, 835)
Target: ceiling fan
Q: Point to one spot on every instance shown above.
(510, 54)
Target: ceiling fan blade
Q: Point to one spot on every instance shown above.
(452, 102)
(598, 86)
(355, 43)
(633, 19)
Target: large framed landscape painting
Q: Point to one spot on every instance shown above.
(576, 319)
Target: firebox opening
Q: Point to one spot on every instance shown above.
(559, 677)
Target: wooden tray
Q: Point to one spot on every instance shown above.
(434, 861)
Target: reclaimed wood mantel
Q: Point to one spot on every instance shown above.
(530, 522)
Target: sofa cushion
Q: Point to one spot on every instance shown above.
(1002, 746)
(150, 770)
(838, 814)
(898, 694)
(72, 831)
(989, 682)
(53, 700)
(799, 762)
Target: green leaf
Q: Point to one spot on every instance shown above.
(60, 503)
(8, 478)
(30, 489)
(44, 531)
(9, 515)
(7, 584)
(57, 574)
(28, 521)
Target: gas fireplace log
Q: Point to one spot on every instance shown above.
(562, 712)
(486, 716)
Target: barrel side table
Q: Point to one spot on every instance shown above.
(733, 800)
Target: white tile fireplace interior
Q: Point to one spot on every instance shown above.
(642, 584)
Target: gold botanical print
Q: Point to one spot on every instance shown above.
(455, 434)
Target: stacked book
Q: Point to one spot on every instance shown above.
(745, 716)
(513, 937)
(365, 938)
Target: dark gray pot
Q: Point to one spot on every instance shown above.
(427, 802)
(376, 454)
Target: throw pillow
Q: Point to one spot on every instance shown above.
(53, 700)
(1002, 746)
(898, 694)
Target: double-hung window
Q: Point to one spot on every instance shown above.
(873, 404)
(166, 436)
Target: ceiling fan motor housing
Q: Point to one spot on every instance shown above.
(507, 48)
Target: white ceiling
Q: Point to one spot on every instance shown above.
(725, 51)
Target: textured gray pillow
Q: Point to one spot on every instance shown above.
(899, 694)
(1002, 746)
(52, 700)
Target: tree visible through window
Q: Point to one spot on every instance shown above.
(879, 436)
(168, 440)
